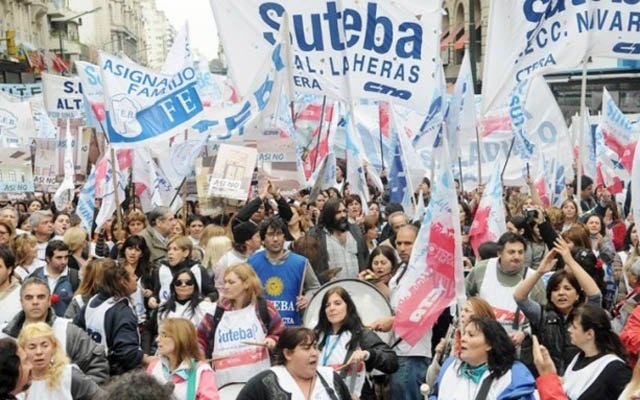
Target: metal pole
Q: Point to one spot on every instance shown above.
(583, 112)
(472, 42)
(513, 140)
(315, 160)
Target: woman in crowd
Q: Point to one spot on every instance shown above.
(77, 239)
(570, 213)
(598, 371)
(179, 228)
(210, 231)
(241, 309)
(566, 289)
(450, 345)
(185, 300)
(486, 367)
(345, 344)
(370, 230)
(34, 205)
(7, 233)
(354, 209)
(603, 247)
(61, 223)
(627, 304)
(601, 243)
(110, 320)
(297, 225)
(374, 211)
(25, 250)
(135, 254)
(181, 363)
(23, 222)
(614, 224)
(135, 222)
(195, 228)
(178, 258)
(297, 373)
(381, 266)
(87, 289)
(216, 248)
(53, 376)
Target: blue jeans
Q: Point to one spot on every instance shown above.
(405, 382)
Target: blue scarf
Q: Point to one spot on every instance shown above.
(471, 372)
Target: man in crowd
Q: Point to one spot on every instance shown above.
(10, 215)
(284, 275)
(246, 241)
(495, 280)
(35, 298)
(587, 200)
(62, 280)
(157, 233)
(395, 220)
(255, 211)
(41, 222)
(9, 287)
(341, 244)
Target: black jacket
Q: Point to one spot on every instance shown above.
(551, 330)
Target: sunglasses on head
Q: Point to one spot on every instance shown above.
(188, 282)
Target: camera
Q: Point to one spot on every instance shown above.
(531, 214)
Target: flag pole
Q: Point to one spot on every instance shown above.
(504, 168)
(115, 186)
(461, 178)
(480, 157)
(185, 205)
(583, 112)
(379, 126)
(315, 160)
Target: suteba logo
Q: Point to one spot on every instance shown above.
(376, 32)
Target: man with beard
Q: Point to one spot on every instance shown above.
(341, 244)
(284, 275)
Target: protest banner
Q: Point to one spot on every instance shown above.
(22, 90)
(233, 172)
(16, 121)
(15, 170)
(551, 36)
(92, 89)
(349, 49)
(63, 96)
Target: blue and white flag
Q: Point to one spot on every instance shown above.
(92, 88)
(144, 105)
(63, 96)
(461, 115)
(347, 49)
(523, 146)
(104, 177)
(531, 37)
(152, 187)
(355, 164)
(86, 202)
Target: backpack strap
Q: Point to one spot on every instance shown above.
(191, 381)
(327, 388)
(74, 279)
(484, 387)
(217, 316)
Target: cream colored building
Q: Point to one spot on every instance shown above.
(157, 32)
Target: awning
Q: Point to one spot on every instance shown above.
(459, 45)
(446, 39)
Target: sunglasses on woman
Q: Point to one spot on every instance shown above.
(188, 282)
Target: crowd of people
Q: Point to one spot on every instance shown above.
(187, 306)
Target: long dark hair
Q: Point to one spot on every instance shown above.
(594, 317)
(143, 269)
(502, 354)
(194, 301)
(352, 322)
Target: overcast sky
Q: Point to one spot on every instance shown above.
(204, 36)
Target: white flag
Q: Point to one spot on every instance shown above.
(65, 190)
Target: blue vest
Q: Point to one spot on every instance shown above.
(281, 283)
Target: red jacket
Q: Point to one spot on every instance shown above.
(550, 387)
(630, 336)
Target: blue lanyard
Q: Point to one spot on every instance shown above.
(325, 355)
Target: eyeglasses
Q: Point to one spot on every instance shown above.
(188, 282)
